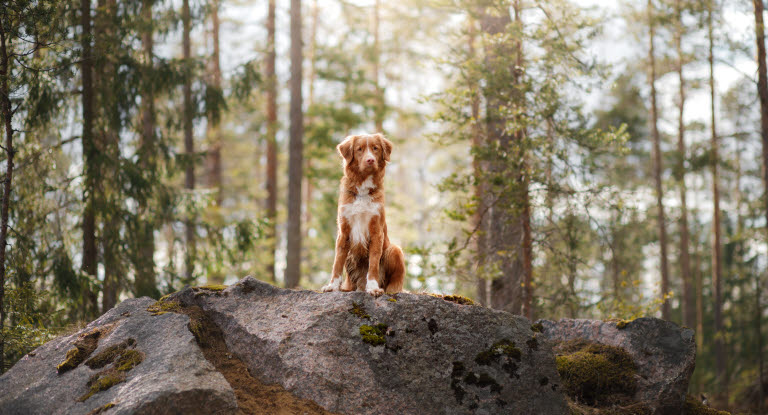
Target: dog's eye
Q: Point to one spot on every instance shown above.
(375, 147)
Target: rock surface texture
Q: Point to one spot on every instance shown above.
(173, 376)
(664, 354)
(252, 348)
(408, 354)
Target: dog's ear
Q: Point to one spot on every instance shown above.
(387, 145)
(345, 148)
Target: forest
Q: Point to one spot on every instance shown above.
(552, 158)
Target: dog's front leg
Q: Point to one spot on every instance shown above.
(375, 248)
(342, 249)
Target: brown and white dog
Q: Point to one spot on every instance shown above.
(373, 264)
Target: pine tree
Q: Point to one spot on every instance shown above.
(295, 148)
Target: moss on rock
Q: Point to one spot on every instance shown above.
(694, 407)
(211, 287)
(537, 328)
(124, 359)
(500, 348)
(374, 335)
(164, 305)
(102, 409)
(358, 311)
(459, 299)
(596, 374)
(109, 354)
(84, 346)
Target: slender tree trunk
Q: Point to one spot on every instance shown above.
(145, 282)
(106, 44)
(762, 92)
(271, 202)
(507, 222)
(717, 267)
(379, 115)
(5, 97)
(296, 147)
(689, 303)
(657, 166)
(759, 335)
(214, 132)
(189, 146)
(520, 135)
(310, 101)
(479, 220)
(90, 163)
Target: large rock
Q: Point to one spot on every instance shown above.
(411, 354)
(172, 376)
(664, 354)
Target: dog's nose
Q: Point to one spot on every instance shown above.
(369, 161)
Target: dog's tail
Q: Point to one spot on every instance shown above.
(393, 265)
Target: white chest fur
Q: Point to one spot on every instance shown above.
(360, 212)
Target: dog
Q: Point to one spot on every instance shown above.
(373, 264)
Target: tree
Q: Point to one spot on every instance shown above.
(296, 148)
(90, 156)
(214, 132)
(717, 271)
(189, 144)
(657, 166)
(271, 85)
(689, 302)
(762, 92)
(145, 282)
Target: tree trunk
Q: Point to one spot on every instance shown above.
(310, 101)
(296, 147)
(214, 132)
(145, 282)
(479, 221)
(520, 135)
(90, 167)
(5, 97)
(657, 166)
(717, 267)
(189, 147)
(689, 302)
(762, 91)
(109, 142)
(508, 215)
(379, 112)
(271, 202)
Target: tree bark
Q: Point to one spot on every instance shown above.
(717, 267)
(762, 92)
(145, 283)
(214, 132)
(296, 148)
(657, 166)
(271, 202)
(309, 189)
(5, 97)
(189, 146)
(479, 221)
(379, 112)
(689, 302)
(90, 167)
(507, 240)
(109, 143)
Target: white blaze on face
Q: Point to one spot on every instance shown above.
(368, 153)
(360, 212)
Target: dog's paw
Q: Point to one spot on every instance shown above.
(334, 285)
(372, 288)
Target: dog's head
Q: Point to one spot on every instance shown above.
(365, 153)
